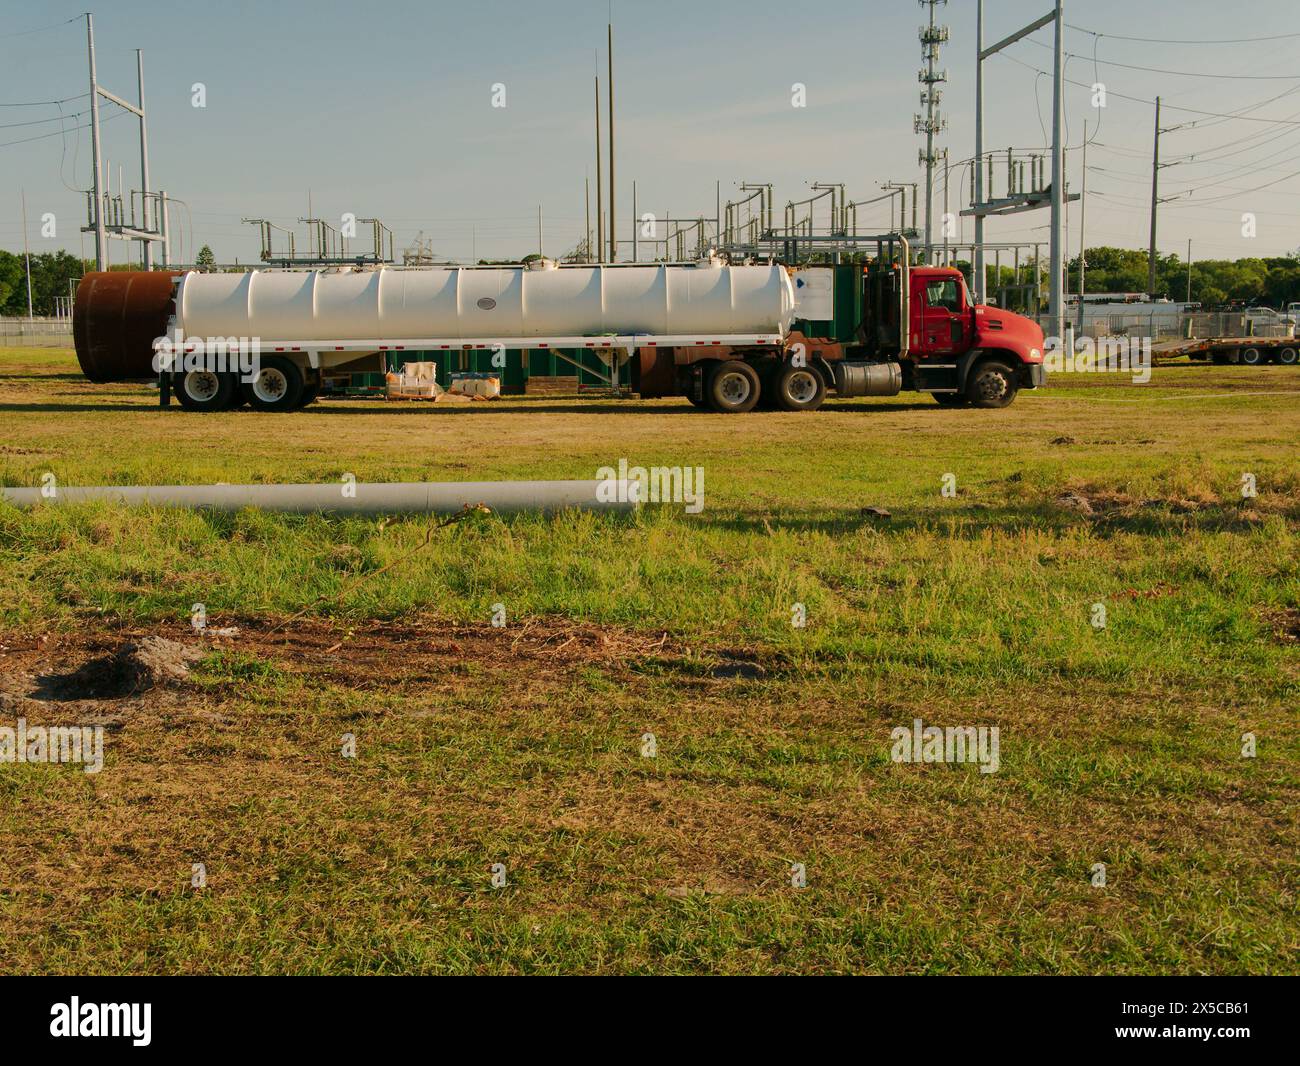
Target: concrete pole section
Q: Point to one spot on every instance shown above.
(421, 497)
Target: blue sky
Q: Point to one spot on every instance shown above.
(384, 109)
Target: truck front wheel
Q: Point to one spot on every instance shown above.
(277, 387)
(797, 388)
(733, 388)
(991, 385)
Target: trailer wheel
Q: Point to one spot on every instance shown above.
(1287, 356)
(277, 387)
(797, 388)
(733, 388)
(1251, 357)
(205, 390)
(990, 385)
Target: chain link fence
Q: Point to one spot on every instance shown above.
(1174, 325)
(35, 333)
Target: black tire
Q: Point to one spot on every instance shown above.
(309, 394)
(797, 388)
(950, 399)
(991, 385)
(205, 390)
(277, 387)
(1287, 356)
(1252, 357)
(733, 388)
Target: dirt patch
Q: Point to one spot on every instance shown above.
(1285, 624)
(134, 668)
(115, 669)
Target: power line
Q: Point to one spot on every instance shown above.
(42, 29)
(1144, 100)
(1178, 73)
(47, 103)
(1166, 40)
(40, 121)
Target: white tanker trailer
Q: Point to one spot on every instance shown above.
(722, 335)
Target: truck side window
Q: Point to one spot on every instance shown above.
(943, 294)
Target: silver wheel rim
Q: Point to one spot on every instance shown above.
(202, 386)
(801, 387)
(270, 385)
(992, 385)
(734, 388)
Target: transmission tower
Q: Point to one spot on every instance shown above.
(932, 38)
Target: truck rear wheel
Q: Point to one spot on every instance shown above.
(797, 388)
(991, 384)
(277, 387)
(733, 388)
(1287, 356)
(205, 390)
(1252, 356)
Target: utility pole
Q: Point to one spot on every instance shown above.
(635, 227)
(586, 200)
(1155, 201)
(1189, 269)
(539, 230)
(1056, 307)
(931, 37)
(1083, 214)
(613, 210)
(101, 238)
(146, 247)
(600, 194)
(978, 266)
(27, 257)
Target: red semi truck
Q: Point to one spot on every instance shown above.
(728, 338)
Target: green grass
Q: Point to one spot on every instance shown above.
(521, 745)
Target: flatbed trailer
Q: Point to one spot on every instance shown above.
(1244, 351)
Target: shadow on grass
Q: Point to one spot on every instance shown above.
(975, 521)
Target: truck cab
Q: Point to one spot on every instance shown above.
(952, 337)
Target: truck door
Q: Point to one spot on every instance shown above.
(943, 316)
